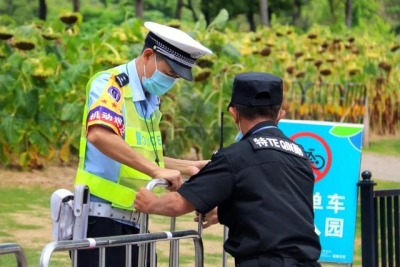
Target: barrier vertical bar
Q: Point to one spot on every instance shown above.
(144, 223)
(389, 212)
(153, 254)
(382, 226)
(142, 253)
(396, 231)
(376, 249)
(173, 247)
(367, 219)
(199, 252)
(102, 257)
(128, 255)
(74, 258)
(200, 225)
(224, 255)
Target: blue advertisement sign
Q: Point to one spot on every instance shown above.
(334, 150)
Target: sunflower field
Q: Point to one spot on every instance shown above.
(44, 68)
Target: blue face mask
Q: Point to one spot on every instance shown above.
(159, 83)
(239, 136)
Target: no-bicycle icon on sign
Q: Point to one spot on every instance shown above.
(318, 152)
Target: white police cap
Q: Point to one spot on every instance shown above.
(180, 51)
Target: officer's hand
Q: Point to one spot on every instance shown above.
(196, 166)
(173, 176)
(208, 219)
(143, 200)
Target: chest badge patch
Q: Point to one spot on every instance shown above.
(114, 93)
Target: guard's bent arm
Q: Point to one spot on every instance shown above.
(171, 204)
(186, 167)
(116, 148)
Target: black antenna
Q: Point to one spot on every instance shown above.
(221, 140)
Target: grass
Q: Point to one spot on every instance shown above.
(387, 147)
(33, 205)
(24, 214)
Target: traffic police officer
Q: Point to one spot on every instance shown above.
(121, 146)
(262, 185)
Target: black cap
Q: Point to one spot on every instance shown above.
(257, 89)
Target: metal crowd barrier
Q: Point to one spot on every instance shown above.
(142, 239)
(12, 248)
(127, 240)
(144, 223)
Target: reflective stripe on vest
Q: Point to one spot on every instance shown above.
(123, 193)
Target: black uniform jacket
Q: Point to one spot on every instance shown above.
(263, 187)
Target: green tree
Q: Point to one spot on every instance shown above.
(391, 11)
(20, 10)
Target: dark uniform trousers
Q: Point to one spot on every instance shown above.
(115, 256)
(266, 261)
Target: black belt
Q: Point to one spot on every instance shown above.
(273, 261)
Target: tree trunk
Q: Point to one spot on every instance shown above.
(349, 13)
(179, 6)
(190, 6)
(76, 6)
(264, 13)
(207, 16)
(296, 11)
(42, 9)
(332, 9)
(250, 19)
(104, 2)
(139, 9)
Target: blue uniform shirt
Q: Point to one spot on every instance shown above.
(95, 161)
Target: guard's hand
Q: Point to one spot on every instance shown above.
(144, 200)
(173, 176)
(208, 219)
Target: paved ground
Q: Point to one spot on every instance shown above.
(382, 167)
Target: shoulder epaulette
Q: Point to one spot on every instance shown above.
(122, 79)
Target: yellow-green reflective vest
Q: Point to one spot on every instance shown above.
(122, 194)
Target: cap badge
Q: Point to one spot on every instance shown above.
(196, 54)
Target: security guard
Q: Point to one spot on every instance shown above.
(121, 146)
(262, 185)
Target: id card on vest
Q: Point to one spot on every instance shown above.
(281, 144)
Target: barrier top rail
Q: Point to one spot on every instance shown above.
(120, 241)
(16, 249)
